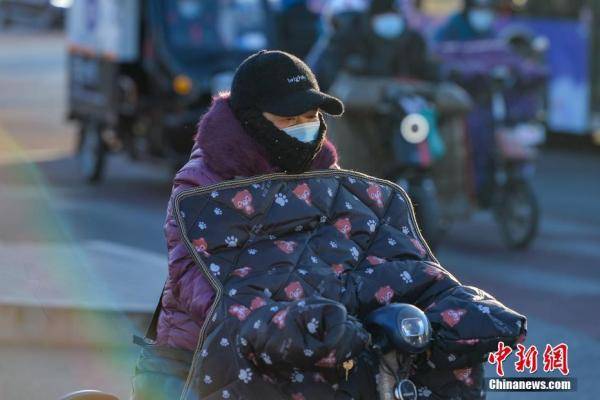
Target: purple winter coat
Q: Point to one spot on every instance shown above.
(222, 151)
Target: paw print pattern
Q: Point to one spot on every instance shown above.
(252, 252)
(218, 211)
(298, 228)
(232, 292)
(312, 326)
(225, 394)
(391, 242)
(207, 379)
(405, 230)
(424, 391)
(202, 225)
(406, 277)
(371, 224)
(351, 180)
(214, 194)
(348, 205)
(224, 342)
(231, 241)
(257, 324)
(314, 260)
(329, 192)
(245, 375)
(204, 353)
(215, 269)
(333, 244)
(369, 271)
(354, 252)
(243, 341)
(297, 377)
(308, 352)
(323, 219)
(281, 199)
(484, 309)
(266, 358)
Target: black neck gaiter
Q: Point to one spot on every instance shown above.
(284, 151)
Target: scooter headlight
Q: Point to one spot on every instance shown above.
(415, 332)
(414, 128)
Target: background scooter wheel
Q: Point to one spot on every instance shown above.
(427, 210)
(91, 152)
(517, 214)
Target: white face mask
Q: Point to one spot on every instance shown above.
(189, 8)
(481, 20)
(306, 133)
(388, 26)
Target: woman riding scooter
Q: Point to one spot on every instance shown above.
(272, 122)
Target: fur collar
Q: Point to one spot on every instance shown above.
(229, 152)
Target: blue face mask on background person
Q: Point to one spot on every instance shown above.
(306, 133)
(189, 9)
(388, 26)
(481, 20)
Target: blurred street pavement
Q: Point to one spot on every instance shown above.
(66, 246)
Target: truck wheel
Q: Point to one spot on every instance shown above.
(92, 152)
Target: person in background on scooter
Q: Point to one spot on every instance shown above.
(474, 22)
(377, 43)
(297, 26)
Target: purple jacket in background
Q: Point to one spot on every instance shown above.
(222, 151)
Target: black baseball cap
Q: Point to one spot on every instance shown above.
(279, 83)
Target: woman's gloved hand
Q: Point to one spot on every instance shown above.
(315, 334)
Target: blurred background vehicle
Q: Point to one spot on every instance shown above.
(41, 14)
(141, 72)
